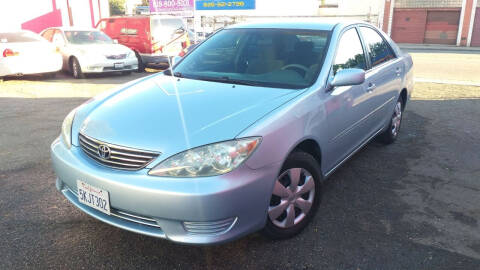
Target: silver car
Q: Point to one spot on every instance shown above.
(238, 136)
(86, 50)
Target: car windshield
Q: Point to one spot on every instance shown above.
(87, 37)
(282, 58)
(19, 37)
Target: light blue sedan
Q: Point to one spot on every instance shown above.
(238, 136)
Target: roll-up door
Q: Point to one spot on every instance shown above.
(442, 26)
(476, 29)
(408, 25)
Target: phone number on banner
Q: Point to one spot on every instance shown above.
(218, 5)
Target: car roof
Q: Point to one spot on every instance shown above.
(308, 24)
(70, 28)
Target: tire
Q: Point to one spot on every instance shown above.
(390, 135)
(76, 69)
(281, 224)
(141, 65)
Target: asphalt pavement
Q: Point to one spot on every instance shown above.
(411, 205)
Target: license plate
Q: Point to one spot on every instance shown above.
(118, 65)
(94, 197)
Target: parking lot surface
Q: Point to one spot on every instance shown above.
(411, 205)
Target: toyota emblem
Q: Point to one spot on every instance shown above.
(104, 151)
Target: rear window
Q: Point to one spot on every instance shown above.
(19, 37)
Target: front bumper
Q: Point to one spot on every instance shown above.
(108, 65)
(188, 210)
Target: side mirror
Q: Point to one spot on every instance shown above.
(351, 76)
(115, 41)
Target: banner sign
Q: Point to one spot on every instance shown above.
(224, 4)
(169, 6)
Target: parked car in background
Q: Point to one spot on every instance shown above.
(239, 135)
(24, 52)
(155, 39)
(87, 50)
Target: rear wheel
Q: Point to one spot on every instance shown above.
(141, 65)
(391, 133)
(76, 69)
(295, 197)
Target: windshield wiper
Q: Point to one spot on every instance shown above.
(226, 79)
(168, 72)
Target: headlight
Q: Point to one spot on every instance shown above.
(67, 128)
(208, 160)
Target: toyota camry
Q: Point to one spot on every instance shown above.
(238, 136)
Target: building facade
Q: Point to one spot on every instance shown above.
(449, 22)
(36, 15)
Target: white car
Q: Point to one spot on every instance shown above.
(24, 52)
(90, 51)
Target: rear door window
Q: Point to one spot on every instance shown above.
(378, 49)
(349, 52)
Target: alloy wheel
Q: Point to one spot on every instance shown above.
(292, 197)
(396, 119)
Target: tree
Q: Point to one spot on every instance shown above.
(117, 7)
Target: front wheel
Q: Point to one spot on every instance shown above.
(391, 133)
(295, 197)
(76, 69)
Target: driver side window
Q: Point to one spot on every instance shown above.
(350, 52)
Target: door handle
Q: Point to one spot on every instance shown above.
(371, 87)
(398, 71)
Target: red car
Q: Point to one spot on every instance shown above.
(155, 39)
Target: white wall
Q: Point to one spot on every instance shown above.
(14, 13)
(270, 8)
(353, 7)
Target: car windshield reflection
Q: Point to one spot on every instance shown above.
(281, 58)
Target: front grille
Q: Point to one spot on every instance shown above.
(117, 56)
(119, 157)
(209, 227)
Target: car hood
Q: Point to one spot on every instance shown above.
(102, 49)
(170, 115)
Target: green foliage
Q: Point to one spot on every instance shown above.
(117, 7)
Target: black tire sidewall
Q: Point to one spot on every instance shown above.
(79, 69)
(141, 65)
(304, 160)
